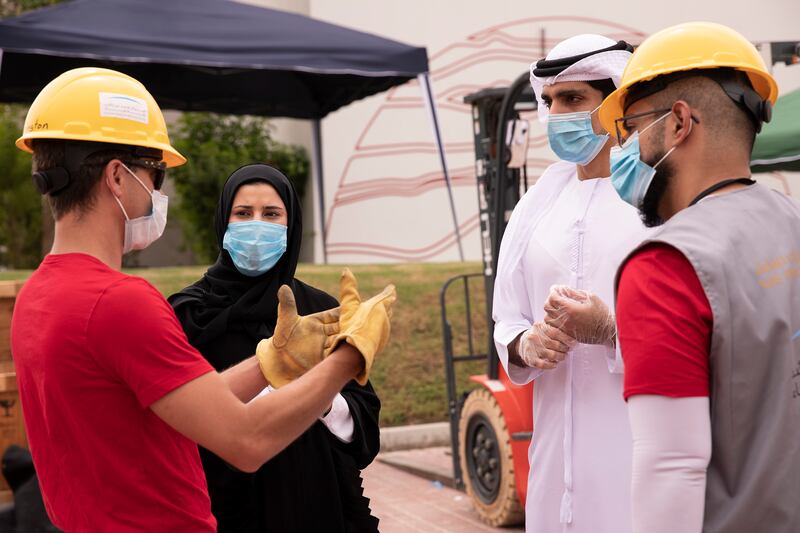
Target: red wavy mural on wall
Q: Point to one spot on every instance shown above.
(392, 170)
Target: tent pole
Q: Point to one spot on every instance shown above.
(317, 140)
(430, 104)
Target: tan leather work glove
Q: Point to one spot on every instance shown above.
(364, 325)
(298, 343)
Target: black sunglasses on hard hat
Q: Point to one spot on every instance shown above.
(53, 180)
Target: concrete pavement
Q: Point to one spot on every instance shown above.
(406, 503)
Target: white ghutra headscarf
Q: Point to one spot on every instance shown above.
(586, 57)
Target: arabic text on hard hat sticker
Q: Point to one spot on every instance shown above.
(123, 106)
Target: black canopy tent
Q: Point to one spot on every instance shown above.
(214, 55)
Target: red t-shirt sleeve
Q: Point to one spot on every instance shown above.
(134, 335)
(664, 324)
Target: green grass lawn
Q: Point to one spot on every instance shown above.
(409, 375)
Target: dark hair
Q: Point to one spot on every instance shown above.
(652, 86)
(605, 86)
(702, 89)
(80, 193)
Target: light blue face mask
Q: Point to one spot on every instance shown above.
(572, 138)
(255, 246)
(630, 176)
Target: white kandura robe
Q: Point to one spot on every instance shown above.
(576, 233)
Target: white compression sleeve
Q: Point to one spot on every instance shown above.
(671, 451)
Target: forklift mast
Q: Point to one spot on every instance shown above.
(495, 113)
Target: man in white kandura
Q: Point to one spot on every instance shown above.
(552, 297)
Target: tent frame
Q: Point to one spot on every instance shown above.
(430, 105)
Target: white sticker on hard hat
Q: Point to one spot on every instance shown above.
(124, 107)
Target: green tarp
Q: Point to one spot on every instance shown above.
(777, 147)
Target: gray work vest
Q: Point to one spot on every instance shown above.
(745, 248)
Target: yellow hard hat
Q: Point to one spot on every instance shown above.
(98, 105)
(689, 46)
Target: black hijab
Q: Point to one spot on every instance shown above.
(225, 314)
(226, 299)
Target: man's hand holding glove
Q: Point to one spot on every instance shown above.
(300, 342)
(364, 325)
(580, 314)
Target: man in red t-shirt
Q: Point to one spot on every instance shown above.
(114, 397)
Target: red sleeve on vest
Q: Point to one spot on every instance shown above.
(664, 325)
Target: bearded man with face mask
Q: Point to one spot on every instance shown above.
(708, 307)
(552, 296)
(114, 397)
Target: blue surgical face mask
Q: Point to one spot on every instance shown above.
(572, 137)
(630, 176)
(255, 246)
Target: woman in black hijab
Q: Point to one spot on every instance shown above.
(315, 483)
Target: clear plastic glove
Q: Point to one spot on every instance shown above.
(580, 314)
(544, 346)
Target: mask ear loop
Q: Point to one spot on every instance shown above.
(592, 112)
(673, 148)
(149, 192)
(125, 213)
(123, 209)
(136, 178)
(656, 121)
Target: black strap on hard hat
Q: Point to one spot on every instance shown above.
(54, 180)
(51, 181)
(748, 99)
(551, 67)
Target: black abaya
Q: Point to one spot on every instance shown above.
(315, 483)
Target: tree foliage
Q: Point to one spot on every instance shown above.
(12, 8)
(20, 202)
(215, 146)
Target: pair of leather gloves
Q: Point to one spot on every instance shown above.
(300, 342)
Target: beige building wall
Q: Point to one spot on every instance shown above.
(385, 197)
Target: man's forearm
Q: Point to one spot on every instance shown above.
(513, 353)
(671, 451)
(277, 419)
(245, 379)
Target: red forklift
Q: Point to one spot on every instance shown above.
(491, 426)
(491, 420)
